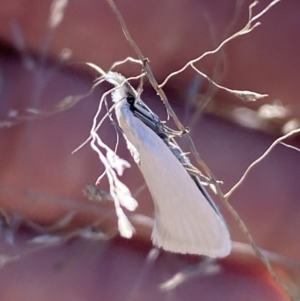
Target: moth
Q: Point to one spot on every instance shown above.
(186, 219)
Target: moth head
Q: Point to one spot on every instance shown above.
(131, 100)
(123, 89)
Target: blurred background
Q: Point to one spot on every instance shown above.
(44, 46)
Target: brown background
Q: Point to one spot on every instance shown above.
(42, 181)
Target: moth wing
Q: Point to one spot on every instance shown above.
(184, 220)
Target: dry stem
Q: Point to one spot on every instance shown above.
(158, 88)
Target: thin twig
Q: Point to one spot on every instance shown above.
(246, 29)
(146, 65)
(180, 126)
(102, 99)
(259, 253)
(242, 94)
(158, 88)
(290, 146)
(279, 140)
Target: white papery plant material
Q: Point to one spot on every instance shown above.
(125, 227)
(114, 167)
(184, 220)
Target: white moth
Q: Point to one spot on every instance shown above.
(186, 220)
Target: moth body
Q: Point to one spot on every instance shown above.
(185, 220)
